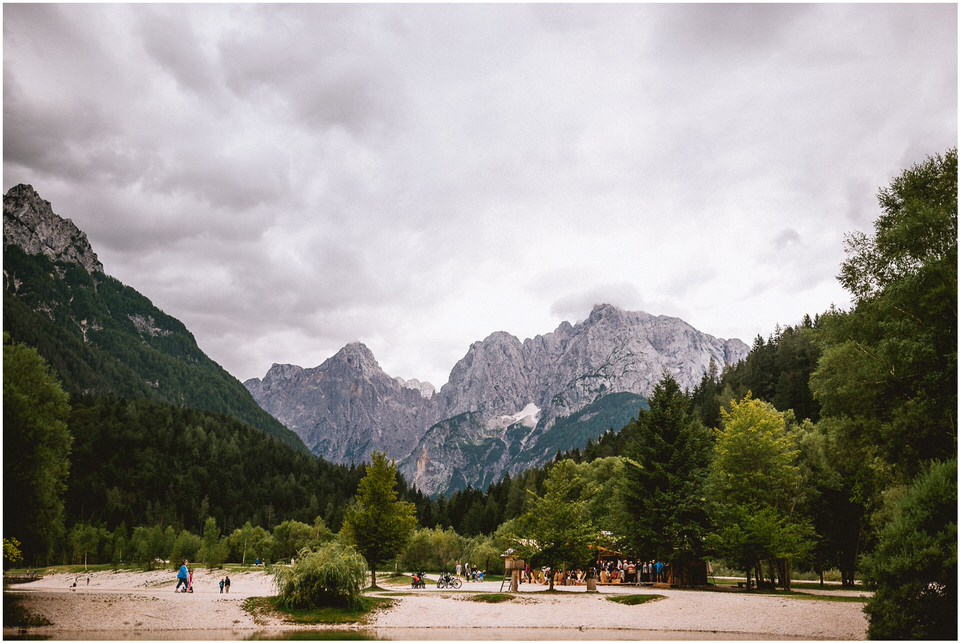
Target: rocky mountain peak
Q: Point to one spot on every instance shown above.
(601, 311)
(30, 223)
(426, 389)
(283, 372)
(357, 356)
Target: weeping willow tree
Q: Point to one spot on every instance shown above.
(329, 576)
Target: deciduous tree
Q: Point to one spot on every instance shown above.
(755, 487)
(36, 450)
(557, 527)
(890, 365)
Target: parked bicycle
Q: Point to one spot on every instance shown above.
(446, 580)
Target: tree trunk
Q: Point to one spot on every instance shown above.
(373, 578)
(783, 573)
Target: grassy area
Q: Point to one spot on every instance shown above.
(809, 584)
(492, 598)
(822, 597)
(261, 607)
(794, 584)
(393, 580)
(634, 599)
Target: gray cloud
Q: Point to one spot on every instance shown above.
(288, 178)
(577, 306)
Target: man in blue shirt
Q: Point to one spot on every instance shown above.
(182, 576)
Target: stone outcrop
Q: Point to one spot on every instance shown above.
(30, 223)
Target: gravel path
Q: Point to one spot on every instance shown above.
(708, 613)
(128, 605)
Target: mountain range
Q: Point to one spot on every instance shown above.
(508, 404)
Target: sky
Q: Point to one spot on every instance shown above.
(289, 179)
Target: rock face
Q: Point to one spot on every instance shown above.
(346, 408)
(507, 405)
(30, 223)
(611, 351)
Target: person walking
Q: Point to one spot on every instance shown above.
(226, 584)
(221, 586)
(182, 577)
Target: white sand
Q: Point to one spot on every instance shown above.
(126, 605)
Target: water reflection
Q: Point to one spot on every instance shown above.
(314, 635)
(393, 634)
(512, 634)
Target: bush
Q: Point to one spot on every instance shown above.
(914, 566)
(332, 575)
(433, 550)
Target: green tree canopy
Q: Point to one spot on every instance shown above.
(663, 492)
(914, 567)
(331, 575)
(557, 527)
(889, 367)
(36, 451)
(377, 523)
(754, 485)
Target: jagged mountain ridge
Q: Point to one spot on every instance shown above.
(502, 401)
(105, 339)
(30, 224)
(338, 408)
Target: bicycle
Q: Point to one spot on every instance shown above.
(447, 581)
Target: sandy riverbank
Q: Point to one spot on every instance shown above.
(129, 605)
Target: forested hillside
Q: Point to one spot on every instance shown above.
(144, 463)
(105, 338)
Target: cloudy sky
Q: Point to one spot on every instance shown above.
(288, 179)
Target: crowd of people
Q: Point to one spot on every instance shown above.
(470, 573)
(611, 571)
(629, 571)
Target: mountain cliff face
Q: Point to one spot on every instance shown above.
(30, 223)
(346, 408)
(508, 405)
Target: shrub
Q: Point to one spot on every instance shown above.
(332, 575)
(914, 566)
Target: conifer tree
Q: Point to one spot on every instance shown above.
(377, 523)
(663, 490)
